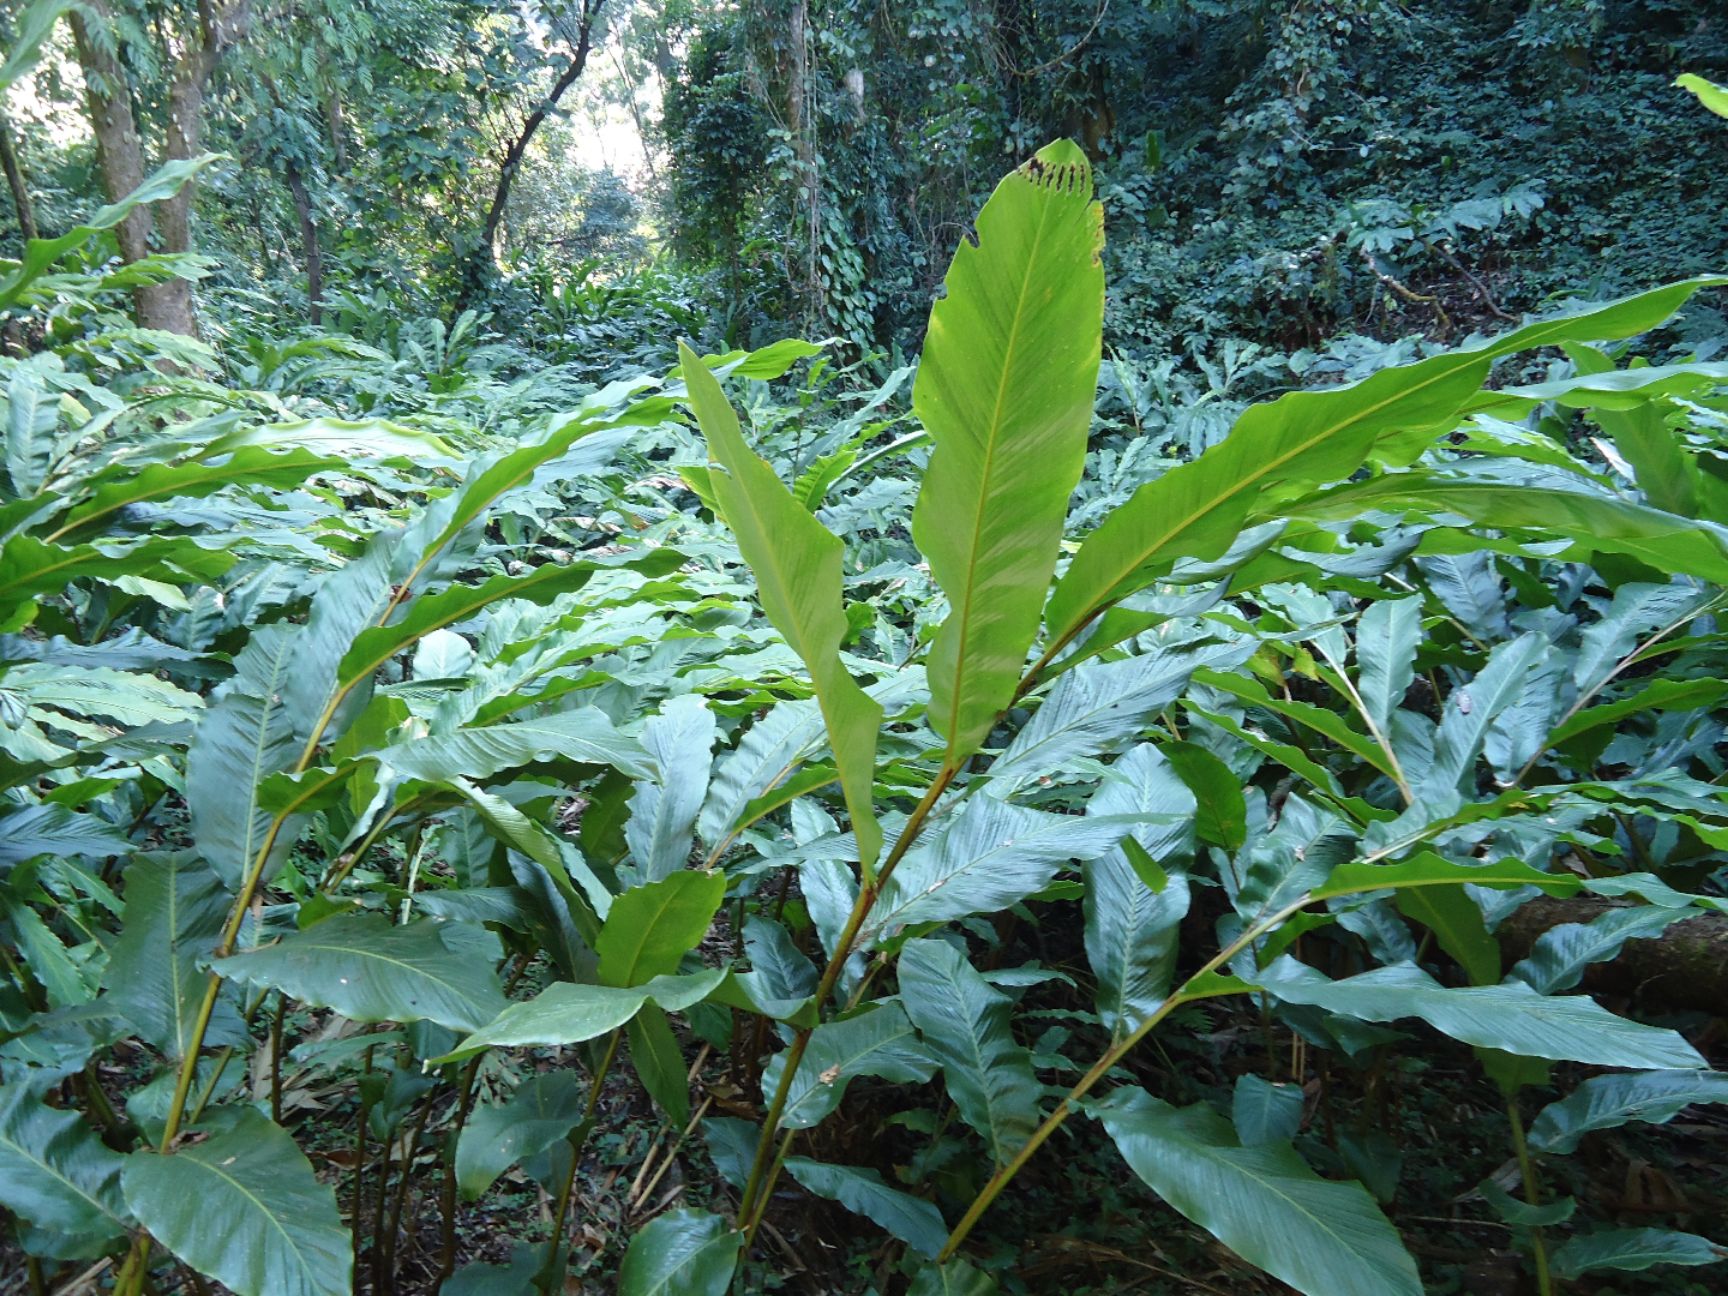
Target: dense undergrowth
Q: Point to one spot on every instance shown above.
(491, 819)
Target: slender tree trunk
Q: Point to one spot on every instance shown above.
(485, 253)
(338, 128)
(310, 251)
(15, 182)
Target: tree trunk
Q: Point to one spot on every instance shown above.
(485, 254)
(310, 251)
(15, 182)
(120, 150)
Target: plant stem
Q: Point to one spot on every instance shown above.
(761, 1182)
(1532, 1194)
(1004, 1174)
(447, 1197)
(577, 1138)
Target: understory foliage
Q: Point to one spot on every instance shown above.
(401, 761)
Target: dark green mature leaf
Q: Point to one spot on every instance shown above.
(765, 756)
(1387, 637)
(246, 734)
(864, 1192)
(797, 564)
(126, 485)
(1263, 1202)
(1132, 926)
(965, 1023)
(541, 1110)
(1634, 1249)
(1263, 1112)
(1656, 695)
(663, 811)
(1610, 1101)
(1005, 389)
(1511, 1017)
(991, 855)
(55, 1172)
(1471, 711)
(881, 1042)
(568, 1013)
(1302, 440)
(27, 831)
(585, 735)
(1560, 954)
(1220, 810)
(650, 928)
(175, 908)
(368, 970)
(244, 1208)
(660, 1063)
(682, 1253)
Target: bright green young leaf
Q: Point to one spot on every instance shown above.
(964, 1021)
(30, 32)
(1712, 96)
(1220, 811)
(1005, 390)
(682, 1253)
(1263, 1202)
(368, 970)
(659, 1063)
(1303, 440)
(796, 561)
(651, 928)
(1458, 926)
(864, 1192)
(1426, 869)
(243, 1207)
(569, 1013)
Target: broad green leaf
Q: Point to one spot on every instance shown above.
(682, 1253)
(30, 32)
(881, 1042)
(175, 908)
(1005, 389)
(39, 254)
(651, 927)
(1426, 869)
(1470, 712)
(368, 970)
(243, 1207)
(1097, 708)
(1302, 440)
(127, 698)
(246, 734)
(1596, 523)
(663, 811)
(659, 1063)
(1711, 95)
(1458, 926)
(797, 564)
(989, 856)
(1263, 1202)
(1220, 810)
(1560, 954)
(1263, 1112)
(126, 486)
(1511, 1017)
(1634, 1249)
(1317, 718)
(1387, 636)
(1637, 610)
(27, 831)
(964, 1021)
(568, 1013)
(956, 1278)
(56, 1173)
(1656, 695)
(540, 1111)
(584, 735)
(1132, 927)
(864, 1192)
(1610, 1101)
(770, 750)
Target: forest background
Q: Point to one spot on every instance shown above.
(436, 820)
